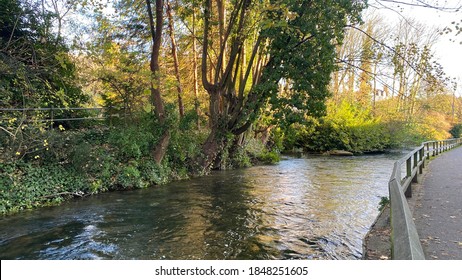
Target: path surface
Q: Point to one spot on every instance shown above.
(438, 210)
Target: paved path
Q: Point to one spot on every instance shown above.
(438, 210)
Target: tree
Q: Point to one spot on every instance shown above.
(456, 130)
(291, 42)
(36, 68)
(175, 58)
(249, 49)
(115, 71)
(156, 97)
(36, 71)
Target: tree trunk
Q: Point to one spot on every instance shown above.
(156, 97)
(212, 147)
(226, 110)
(221, 30)
(196, 85)
(175, 60)
(161, 147)
(215, 142)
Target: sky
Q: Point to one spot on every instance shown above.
(448, 49)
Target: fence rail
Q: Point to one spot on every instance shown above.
(49, 109)
(100, 113)
(405, 239)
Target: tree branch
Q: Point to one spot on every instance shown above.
(424, 4)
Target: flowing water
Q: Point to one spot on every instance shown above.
(302, 208)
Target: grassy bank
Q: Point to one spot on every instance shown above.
(67, 163)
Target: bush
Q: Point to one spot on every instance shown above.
(25, 185)
(240, 158)
(384, 201)
(185, 143)
(270, 157)
(346, 127)
(131, 142)
(456, 131)
(129, 178)
(152, 173)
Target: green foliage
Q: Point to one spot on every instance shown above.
(357, 129)
(302, 49)
(384, 201)
(129, 177)
(36, 71)
(240, 158)
(124, 78)
(35, 66)
(131, 142)
(277, 139)
(154, 174)
(94, 160)
(346, 127)
(404, 135)
(186, 140)
(25, 185)
(270, 157)
(254, 147)
(254, 151)
(456, 131)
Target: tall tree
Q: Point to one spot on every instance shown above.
(291, 42)
(156, 97)
(365, 77)
(176, 63)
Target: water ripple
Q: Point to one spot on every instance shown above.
(306, 208)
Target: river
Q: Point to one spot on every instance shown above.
(313, 207)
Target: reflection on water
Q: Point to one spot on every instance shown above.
(307, 208)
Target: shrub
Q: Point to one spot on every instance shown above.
(129, 177)
(25, 185)
(270, 157)
(152, 173)
(384, 201)
(346, 127)
(131, 142)
(240, 158)
(456, 131)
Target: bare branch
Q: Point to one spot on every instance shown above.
(423, 4)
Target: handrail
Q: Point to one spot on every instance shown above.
(52, 110)
(405, 239)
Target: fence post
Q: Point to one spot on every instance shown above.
(414, 179)
(422, 159)
(52, 113)
(408, 192)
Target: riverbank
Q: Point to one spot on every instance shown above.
(75, 163)
(377, 242)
